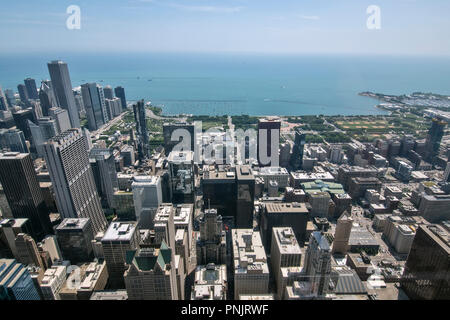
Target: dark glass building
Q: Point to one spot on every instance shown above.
(23, 193)
(169, 128)
(30, 85)
(23, 93)
(294, 215)
(426, 274)
(219, 192)
(94, 104)
(141, 126)
(21, 118)
(434, 137)
(120, 93)
(245, 182)
(47, 97)
(296, 161)
(75, 237)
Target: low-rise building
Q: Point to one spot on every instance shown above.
(83, 281)
(210, 283)
(52, 282)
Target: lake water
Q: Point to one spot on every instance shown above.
(217, 84)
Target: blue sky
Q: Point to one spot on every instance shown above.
(418, 27)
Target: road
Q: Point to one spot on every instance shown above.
(149, 113)
(109, 125)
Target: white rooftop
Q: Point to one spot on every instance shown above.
(286, 241)
(120, 231)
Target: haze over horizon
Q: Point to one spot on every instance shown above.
(413, 27)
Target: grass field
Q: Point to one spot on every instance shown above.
(368, 125)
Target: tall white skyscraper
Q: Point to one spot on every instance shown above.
(62, 86)
(68, 164)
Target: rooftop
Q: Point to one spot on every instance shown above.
(145, 181)
(183, 214)
(52, 274)
(12, 155)
(294, 207)
(110, 295)
(65, 136)
(13, 223)
(73, 224)
(181, 157)
(244, 173)
(248, 252)
(273, 171)
(287, 243)
(120, 231)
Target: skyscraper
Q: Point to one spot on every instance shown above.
(23, 93)
(94, 104)
(120, 238)
(293, 215)
(181, 168)
(47, 97)
(147, 196)
(151, 274)
(27, 251)
(14, 140)
(44, 130)
(169, 128)
(141, 128)
(68, 164)
(105, 176)
(79, 102)
(62, 86)
(219, 191)
(285, 255)
(318, 263)
(269, 128)
(108, 91)
(434, 137)
(61, 117)
(22, 190)
(75, 239)
(10, 98)
(211, 245)
(21, 118)
(115, 106)
(3, 102)
(245, 197)
(30, 85)
(296, 160)
(342, 233)
(9, 229)
(16, 282)
(120, 93)
(426, 274)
